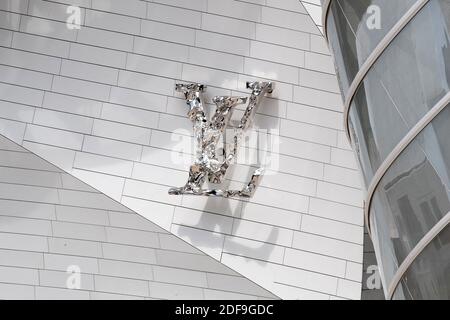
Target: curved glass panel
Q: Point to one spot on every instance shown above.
(403, 85)
(350, 37)
(413, 195)
(428, 277)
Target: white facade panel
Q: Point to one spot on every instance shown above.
(106, 111)
(113, 250)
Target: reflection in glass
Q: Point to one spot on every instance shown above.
(351, 39)
(413, 195)
(403, 85)
(428, 277)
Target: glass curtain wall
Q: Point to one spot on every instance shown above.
(405, 83)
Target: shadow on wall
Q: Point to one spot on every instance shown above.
(18, 171)
(261, 251)
(229, 209)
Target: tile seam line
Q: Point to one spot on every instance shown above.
(285, 247)
(336, 93)
(265, 223)
(187, 226)
(202, 13)
(129, 294)
(156, 183)
(80, 224)
(155, 201)
(320, 32)
(173, 79)
(163, 203)
(157, 147)
(258, 285)
(240, 200)
(160, 148)
(186, 63)
(27, 169)
(242, 1)
(151, 128)
(15, 151)
(137, 279)
(176, 43)
(64, 254)
(271, 243)
(129, 177)
(310, 179)
(229, 235)
(246, 2)
(295, 268)
(38, 124)
(77, 290)
(237, 275)
(142, 263)
(135, 179)
(295, 121)
(179, 26)
(292, 286)
(52, 253)
(85, 240)
(105, 119)
(199, 11)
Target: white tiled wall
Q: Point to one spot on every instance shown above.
(50, 221)
(99, 103)
(314, 8)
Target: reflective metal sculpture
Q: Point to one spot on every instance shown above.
(207, 134)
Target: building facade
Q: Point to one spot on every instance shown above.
(62, 239)
(392, 60)
(88, 86)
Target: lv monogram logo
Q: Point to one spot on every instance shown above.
(207, 135)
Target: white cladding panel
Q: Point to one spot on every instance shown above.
(99, 103)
